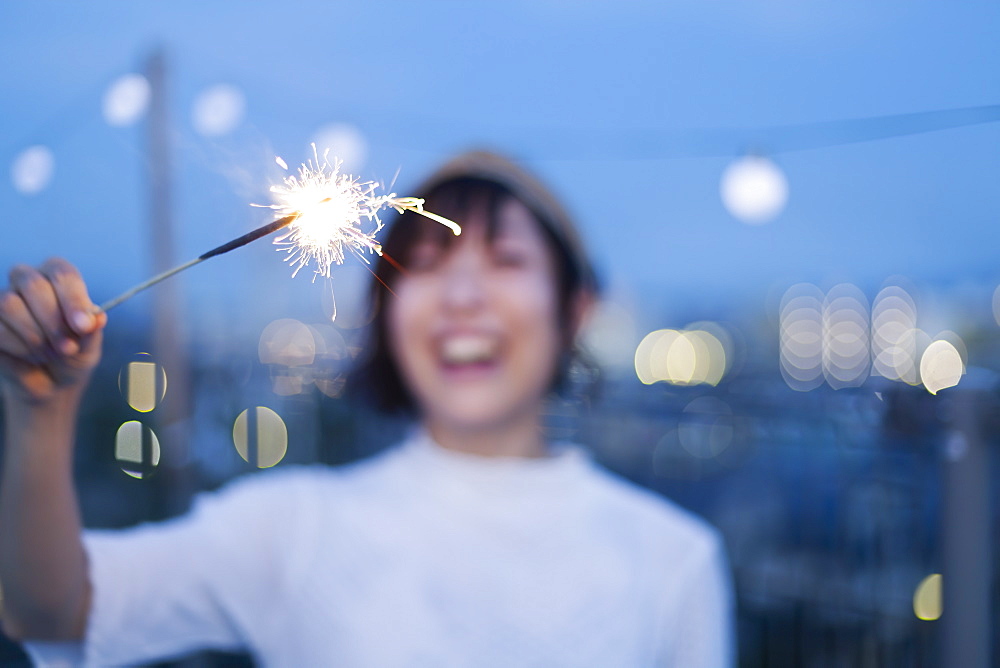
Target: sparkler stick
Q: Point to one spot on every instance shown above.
(323, 210)
(261, 231)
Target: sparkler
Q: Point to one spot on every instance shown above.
(325, 212)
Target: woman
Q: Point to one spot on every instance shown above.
(473, 543)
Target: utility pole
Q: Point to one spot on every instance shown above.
(967, 539)
(172, 416)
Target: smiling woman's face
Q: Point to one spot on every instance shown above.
(474, 327)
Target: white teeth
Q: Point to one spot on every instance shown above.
(467, 349)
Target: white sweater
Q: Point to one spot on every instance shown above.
(418, 557)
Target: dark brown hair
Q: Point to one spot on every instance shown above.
(377, 376)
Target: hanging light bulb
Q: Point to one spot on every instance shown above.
(32, 170)
(218, 110)
(344, 141)
(753, 189)
(126, 100)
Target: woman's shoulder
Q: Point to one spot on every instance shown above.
(287, 499)
(655, 516)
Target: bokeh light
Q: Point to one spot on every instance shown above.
(644, 355)
(753, 189)
(941, 366)
(126, 100)
(32, 170)
(718, 343)
(289, 348)
(711, 362)
(289, 381)
(345, 142)
(680, 357)
(137, 449)
(895, 337)
(802, 337)
(218, 110)
(143, 383)
(673, 358)
(927, 604)
(260, 437)
(300, 355)
(955, 340)
(706, 427)
(846, 357)
(831, 335)
(333, 356)
(287, 342)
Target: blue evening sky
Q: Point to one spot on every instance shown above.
(598, 97)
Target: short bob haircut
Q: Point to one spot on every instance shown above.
(475, 180)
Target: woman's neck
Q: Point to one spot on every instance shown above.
(522, 438)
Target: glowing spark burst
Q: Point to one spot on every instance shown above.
(335, 213)
(325, 212)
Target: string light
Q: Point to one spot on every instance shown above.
(754, 189)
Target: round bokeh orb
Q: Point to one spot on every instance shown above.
(218, 110)
(32, 170)
(126, 100)
(754, 190)
(137, 449)
(260, 437)
(344, 142)
(142, 383)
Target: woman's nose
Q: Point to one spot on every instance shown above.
(464, 283)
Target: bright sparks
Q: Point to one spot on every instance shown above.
(336, 213)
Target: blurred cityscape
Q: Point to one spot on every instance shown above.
(833, 498)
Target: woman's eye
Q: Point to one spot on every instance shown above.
(424, 256)
(509, 257)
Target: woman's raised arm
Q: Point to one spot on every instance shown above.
(50, 341)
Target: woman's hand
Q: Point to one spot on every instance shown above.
(50, 333)
(50, 341)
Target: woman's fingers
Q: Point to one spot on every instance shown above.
(78, 311)
(13, 346)
(50, 331)
(39, 296)
(24, 354)
(20, 335)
